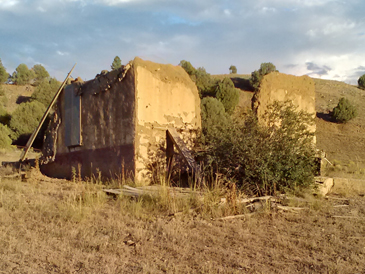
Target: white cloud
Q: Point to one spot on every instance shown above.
(336, 28)
(41, 9)
(338, 67)
(267, 9)
(227, 12)
(6, 4)
(62, 53)
(116, 2)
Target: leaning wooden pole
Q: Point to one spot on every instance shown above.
(35, 132)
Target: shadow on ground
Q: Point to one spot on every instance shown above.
(326, 117)
(22, 99)
(242, 83)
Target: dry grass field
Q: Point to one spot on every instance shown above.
(58, 226)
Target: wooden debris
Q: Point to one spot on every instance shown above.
(348, 217)
(112, 191)
(233, 217)
(151, 190)
(252, 200)
(184, 151)
(290, 208)
(340, 205)
(14, 176)
(336, 198)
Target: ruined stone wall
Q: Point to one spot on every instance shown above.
(283, 87)
(165, 97)
(124, 118)
(107, 124)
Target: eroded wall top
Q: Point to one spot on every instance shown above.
(165, 95)
(283, 87)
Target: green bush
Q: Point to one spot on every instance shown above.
(257, 75)
(3, 74)
(361, 82)
(45, 91)
(232, 69)
(263, 159)
(204, 82)
(40, 74)
(188, 67)
(23, 75)
(344, 111)
(26, 117)
(227, 94)
(4, 116)
(212, 114)
(5, 140)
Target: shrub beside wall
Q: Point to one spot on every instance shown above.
(262, 159)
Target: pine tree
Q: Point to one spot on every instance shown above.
(117, 63)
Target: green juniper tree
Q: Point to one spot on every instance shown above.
(22, 75)
(45, 91)
(40, 74)
(227, 94)
(361, 82)
(257, 75)
(344, 111)
(117, 63)
(232, 69)
(3, 74)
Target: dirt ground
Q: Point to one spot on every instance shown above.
(55, 226)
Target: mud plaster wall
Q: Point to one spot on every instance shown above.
(165, 96)
(107, 123)
(282, 87)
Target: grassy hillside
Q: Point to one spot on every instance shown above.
(16, 95)
(341, 142)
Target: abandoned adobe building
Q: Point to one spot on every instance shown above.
(116, 122)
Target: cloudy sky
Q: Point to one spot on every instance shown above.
(321, 38)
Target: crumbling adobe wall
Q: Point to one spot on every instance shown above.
(283, 87)
(165, 97)
(107, 124)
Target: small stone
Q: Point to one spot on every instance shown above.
(129, 243)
